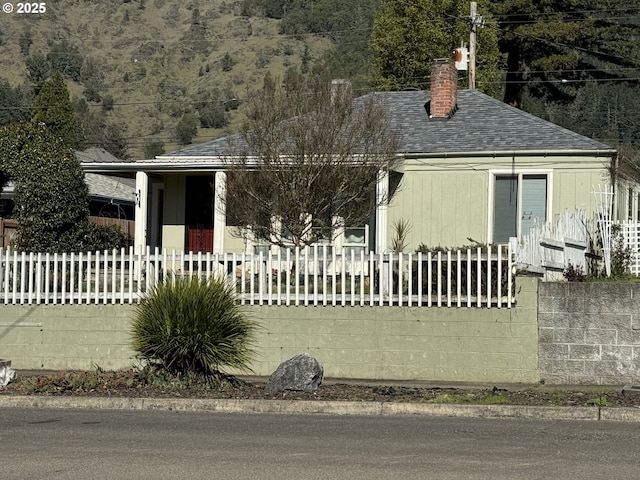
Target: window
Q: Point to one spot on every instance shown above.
(627, 203)
(355, 239)
(350, 238)
(520, 201)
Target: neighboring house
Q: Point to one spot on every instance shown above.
(474, 169)
(109, 196)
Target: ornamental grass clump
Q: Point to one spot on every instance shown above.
(192, 325)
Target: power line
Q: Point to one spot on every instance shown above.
(564, 20)
(568, 12)
(413, 80)
(573, 47)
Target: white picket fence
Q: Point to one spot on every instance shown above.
(312, 276)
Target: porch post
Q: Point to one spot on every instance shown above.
(141, 216)
(382, 198)
(219, 211)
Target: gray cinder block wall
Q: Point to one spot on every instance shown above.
(589, 333)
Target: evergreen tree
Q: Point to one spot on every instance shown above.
(305, 60)
(554, 48)
(114, 141)
(211, 107)
(51, 198)
(609, 111)
(52, 108)
(409, 36)
(96, 131)
(66, 58)
(25, 41)
(38, 70)
(212, 115)
(14, 103)
(92, 77)
(227, 63)
(107, 103)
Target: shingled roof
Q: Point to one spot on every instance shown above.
(96, 155)
(101, 187)
(481, 124)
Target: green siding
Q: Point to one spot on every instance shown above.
(443, 208)
(447, 202)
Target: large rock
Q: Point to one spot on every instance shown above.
(6, 372)
(300, 373)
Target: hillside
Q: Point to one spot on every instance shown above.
(154, 59)
(143, 64)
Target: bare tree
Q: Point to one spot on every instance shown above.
(311, 156)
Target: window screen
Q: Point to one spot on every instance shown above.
(534, 201)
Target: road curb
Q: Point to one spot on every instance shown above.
(291, 407)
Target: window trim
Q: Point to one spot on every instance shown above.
(520, 173)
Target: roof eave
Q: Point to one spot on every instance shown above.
(511, 153)
(158, 167)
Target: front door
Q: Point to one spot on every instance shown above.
(199, 213)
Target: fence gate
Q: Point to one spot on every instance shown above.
(549, 249)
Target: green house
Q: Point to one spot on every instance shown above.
(472, 168)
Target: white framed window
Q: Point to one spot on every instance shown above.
(350, 238)
(354, 239)
(518, 201)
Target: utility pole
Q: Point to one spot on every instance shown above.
(475, 21)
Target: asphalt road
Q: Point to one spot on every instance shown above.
(97, 444)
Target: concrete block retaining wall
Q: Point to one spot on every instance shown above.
(447, 344)
(65, 336)
(589, 333)
(564, 333)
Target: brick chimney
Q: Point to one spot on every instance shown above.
(444, 83)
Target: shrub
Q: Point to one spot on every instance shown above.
(193, 325)
(212, 115)
(187, 128)
(574, 273)
(106, 237)
(107, 103)
(621, 255)
(153, 149)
